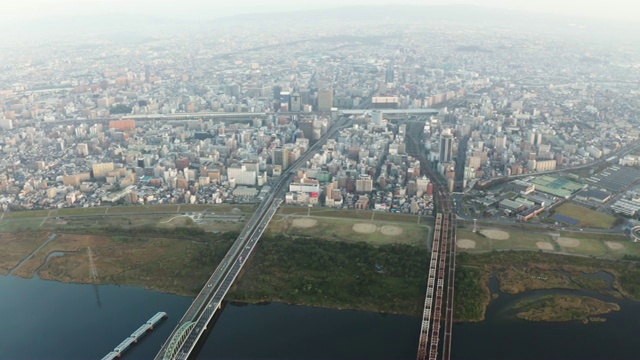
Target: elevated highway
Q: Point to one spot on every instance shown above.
(190, 328)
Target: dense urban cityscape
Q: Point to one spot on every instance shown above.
(433, 135)
(104, 123)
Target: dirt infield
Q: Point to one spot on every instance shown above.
(466, 244)
(495, 234)
(364, 228)
(543, 245)
(614, 245)
(304, 223)
(568, 242)
(390, 230)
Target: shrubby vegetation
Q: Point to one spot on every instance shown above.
(564, 308)
(120, 109)
(307, 271)
(193, 233)
(471, 294)
(626, 273)
(217, 247)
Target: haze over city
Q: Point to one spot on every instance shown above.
(330, 180)
(201, 9)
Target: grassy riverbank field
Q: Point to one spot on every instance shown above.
(168, 260)
(608, 246)
(375, 262)
(367, 261)
(14, 247)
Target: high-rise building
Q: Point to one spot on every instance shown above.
(242, 175)
(364, 183)
(538, 138)
(376, 117)
(83, 150)
(501, 141)
(306, 125)
(6, 124)
(390, 74)
(102, 169)
(305, 96)
(325, 99)
(446, 146)
(280, 157)
(295, 102)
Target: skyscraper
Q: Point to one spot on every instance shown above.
(389, 76)
(446, 146)
(295, 103)
(280, 156)
(325, 100)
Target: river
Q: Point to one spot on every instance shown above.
(51, 320)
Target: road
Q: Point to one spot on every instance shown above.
(193, 324)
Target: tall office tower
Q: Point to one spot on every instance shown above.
(83, 150)
(446, 146)
(538, 137)
(325, 99)
(305, 98)
(295, 103)
(390, 74)
(306, 125)
(501, 141)
(376, 117)
(280, 156)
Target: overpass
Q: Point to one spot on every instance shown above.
(192, 325)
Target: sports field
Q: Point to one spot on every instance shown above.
(351, 229)
(608, 246)
(587, 217)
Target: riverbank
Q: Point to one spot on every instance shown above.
(173, 261)
(300, 270)
(518, 272)
(384, 277)
(565, 308)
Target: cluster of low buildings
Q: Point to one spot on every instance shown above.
(163, 122)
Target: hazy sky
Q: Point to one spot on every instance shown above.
(29, 10)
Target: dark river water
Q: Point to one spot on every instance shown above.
(49, 320)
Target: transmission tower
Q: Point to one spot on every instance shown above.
(93, 272)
